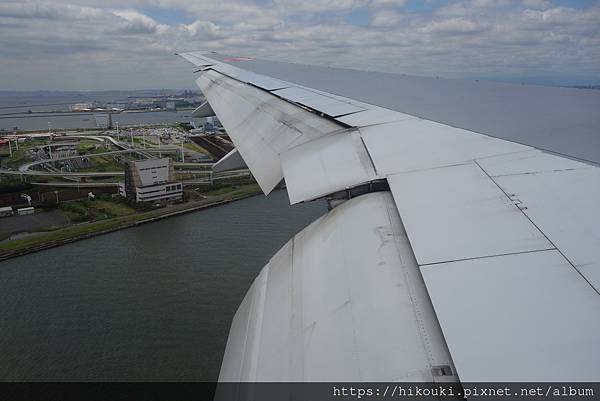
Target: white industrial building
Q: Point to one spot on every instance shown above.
(25, 211)
(151, 180)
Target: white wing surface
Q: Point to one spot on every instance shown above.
(482, 259)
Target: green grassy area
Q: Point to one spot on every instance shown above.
(139, 142)
(237, 192)
(193, 195)
(98, 209)
(191, 176)
(115, 207)
(217, 191)
(192, 166)
(65, 233)
(11, 183)
(195, 147)
(21, 156)
(103, 164)
(224, 192)
(84, 147)
(88, 146)
(18, 157)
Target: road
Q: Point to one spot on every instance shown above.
(26, 169)
(218, 176)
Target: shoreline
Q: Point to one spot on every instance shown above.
(9, 254)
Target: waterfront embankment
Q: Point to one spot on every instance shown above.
(77, 232)
(153, 302)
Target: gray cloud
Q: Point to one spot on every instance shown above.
(78, 44)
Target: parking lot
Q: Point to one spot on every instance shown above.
(31, 222)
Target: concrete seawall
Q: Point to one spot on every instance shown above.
(4, 255)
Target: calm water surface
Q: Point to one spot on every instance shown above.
(12, 103)
(87, 120)
(149, 303)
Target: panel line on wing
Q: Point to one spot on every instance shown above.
(529, 314)
(485, 257)
(541, 231)
(457, 213)
(369, 155)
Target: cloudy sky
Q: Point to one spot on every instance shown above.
(129, 44)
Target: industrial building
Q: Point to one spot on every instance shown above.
(151, 180)
(25, 211)
(87, 106)
(103, 120)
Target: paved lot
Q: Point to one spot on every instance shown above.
(31, 222)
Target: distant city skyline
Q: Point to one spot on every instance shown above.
(130, 44)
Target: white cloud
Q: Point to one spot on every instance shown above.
(317, 6)
(202, 29)
(389, 18)
(86, 44)
(134, 22)
(452, 26)
(388, 3)
(489, 3)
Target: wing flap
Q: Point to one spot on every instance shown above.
(260, 125)
(204, 110)
(326, 165)
(526, 317)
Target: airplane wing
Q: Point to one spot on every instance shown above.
(459, 244)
